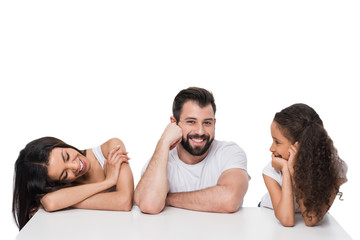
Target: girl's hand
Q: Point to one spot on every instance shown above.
(278, 163)
(292, 153)
(112, 164)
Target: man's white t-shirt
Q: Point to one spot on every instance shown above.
(222, 156)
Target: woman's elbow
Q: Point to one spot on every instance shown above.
(125, 202)
(48, 204)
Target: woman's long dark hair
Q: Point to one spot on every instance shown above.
(316, 162)
(31, 180)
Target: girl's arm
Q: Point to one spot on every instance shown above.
(122, 198)
(282, 198)
(310, 218)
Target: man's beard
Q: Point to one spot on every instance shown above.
(196, 151)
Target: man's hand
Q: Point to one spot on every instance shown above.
(172, 135)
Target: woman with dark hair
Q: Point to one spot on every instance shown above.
(53, 175)
(305, 173)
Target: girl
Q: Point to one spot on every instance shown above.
(304, 165)
(53, 175)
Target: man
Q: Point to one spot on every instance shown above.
(189, 169)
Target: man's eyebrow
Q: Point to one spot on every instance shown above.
(190, 118)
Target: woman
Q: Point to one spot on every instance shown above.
(304, 165)
(53, 175)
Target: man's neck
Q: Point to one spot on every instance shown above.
(187, 157)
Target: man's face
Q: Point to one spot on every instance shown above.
(198, 127)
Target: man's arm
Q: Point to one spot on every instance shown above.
(225, 197)
(152, 189)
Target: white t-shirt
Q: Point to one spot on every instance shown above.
(277, 176)
(222, 156)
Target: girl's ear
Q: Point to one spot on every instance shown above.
(172, 119)
(296, 145)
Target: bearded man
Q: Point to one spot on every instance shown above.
(189, 168)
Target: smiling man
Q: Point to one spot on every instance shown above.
(189, 169)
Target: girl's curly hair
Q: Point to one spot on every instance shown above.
(316, 162)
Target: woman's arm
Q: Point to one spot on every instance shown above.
(70, 196)
(67, 197)
(119, 200)
(122, 198)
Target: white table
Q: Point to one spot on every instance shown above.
(174, 223)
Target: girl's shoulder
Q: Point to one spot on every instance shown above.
(271, 172)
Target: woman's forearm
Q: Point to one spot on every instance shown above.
(119, 200)
(69, 196)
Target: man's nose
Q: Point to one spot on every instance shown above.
(199, 129)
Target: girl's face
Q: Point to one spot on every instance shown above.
(280, 145)
(66, 165)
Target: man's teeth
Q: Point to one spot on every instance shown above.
(197, 140)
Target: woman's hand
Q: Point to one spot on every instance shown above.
(112, 165)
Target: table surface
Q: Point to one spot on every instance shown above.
(174, 223)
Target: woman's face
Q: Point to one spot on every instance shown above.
(66, 165)
(280, 145)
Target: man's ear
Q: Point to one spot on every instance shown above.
(172, 119)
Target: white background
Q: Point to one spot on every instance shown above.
(86, 71)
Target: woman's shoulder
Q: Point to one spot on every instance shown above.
(107, 146)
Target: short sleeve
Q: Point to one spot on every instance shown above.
(233, 156)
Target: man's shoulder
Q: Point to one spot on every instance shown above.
(226, 146)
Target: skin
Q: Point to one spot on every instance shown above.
(151, 194)
(91, 182)
(283, 155)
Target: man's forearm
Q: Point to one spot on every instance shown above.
(214, 199)
(151, 191)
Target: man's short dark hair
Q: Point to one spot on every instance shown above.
(199, 95)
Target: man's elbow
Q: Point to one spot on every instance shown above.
(150, 207)
(231, 204)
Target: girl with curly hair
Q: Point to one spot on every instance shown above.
(306, 172)
(54, 175)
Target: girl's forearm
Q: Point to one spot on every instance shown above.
(285, 209)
